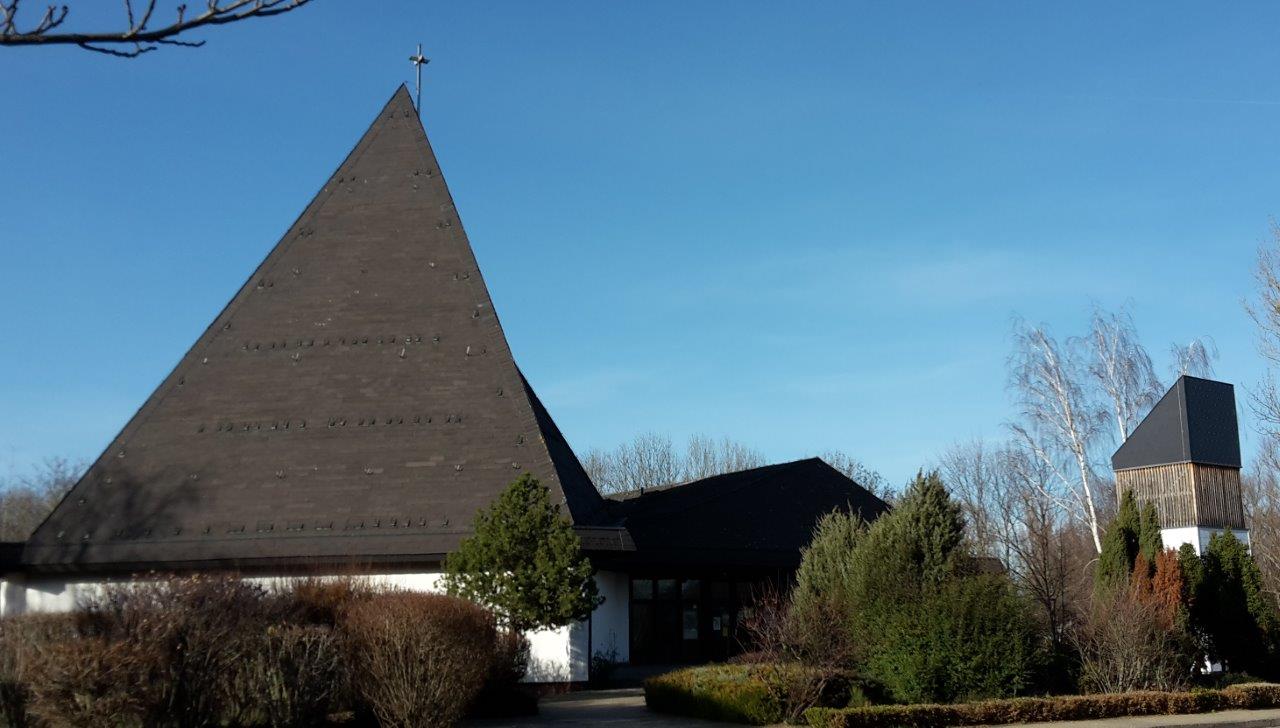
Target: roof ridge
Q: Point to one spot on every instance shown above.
(703, 495)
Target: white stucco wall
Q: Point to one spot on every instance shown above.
(1197, 536)
(611, 622)
(559, 655)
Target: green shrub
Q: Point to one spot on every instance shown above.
(927, 625)
(755, 694)
(1037, 710)
(420, 659)
(969, 638)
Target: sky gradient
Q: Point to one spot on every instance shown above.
(802, 227)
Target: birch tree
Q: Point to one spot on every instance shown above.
(1057, 421)
(1195, 358)
(1121, 368)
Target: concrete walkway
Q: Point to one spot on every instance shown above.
(625, 709)
(617, 708)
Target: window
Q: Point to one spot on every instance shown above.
(690, 622)
(642, 588)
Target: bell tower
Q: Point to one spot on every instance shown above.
(1185, 459)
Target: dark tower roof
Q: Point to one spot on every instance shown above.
(355, 401)
(1194, 422)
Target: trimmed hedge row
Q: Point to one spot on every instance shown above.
(756, 694)
(1035, 710)
(734, 693)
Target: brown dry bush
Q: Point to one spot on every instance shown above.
(94, 681)
(290, 676)
(421, 658)
(321, 600)
(20, 640)
(502, 695)
(1128, 643)
(161, 653)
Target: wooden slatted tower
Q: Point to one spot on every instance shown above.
(1185, 458)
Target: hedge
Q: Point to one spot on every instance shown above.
(1034, 710)
(734, 693)
(756, 694)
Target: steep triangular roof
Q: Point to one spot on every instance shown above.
(1194, 422)
(356, 399)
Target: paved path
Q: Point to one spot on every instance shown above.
(610, 708)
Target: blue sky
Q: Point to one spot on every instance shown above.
(804, 226)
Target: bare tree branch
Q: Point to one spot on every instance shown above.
(652, 460)
(138, 37)
(25, 501)
(1195, 358)
(1122, 368)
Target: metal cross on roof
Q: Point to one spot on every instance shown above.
(418, 60)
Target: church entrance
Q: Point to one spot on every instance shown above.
(687, 620)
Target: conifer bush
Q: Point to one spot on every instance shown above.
(1231, 607)
(903, 602)
(524, 561)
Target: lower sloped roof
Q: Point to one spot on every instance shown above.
(761, 516)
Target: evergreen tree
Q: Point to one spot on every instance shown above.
(1150, 544)
(927, 625)
(1192, 577)
(1119, 546)
(823, 593)
(824, 579)
(969, 638)
(1232, 608)
(524, 562)
(927, 531)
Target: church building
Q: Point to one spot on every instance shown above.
(356, 403)
(1184, 458)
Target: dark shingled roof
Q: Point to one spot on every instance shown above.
(356, 399)
(752, 517)
(1194, 422)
